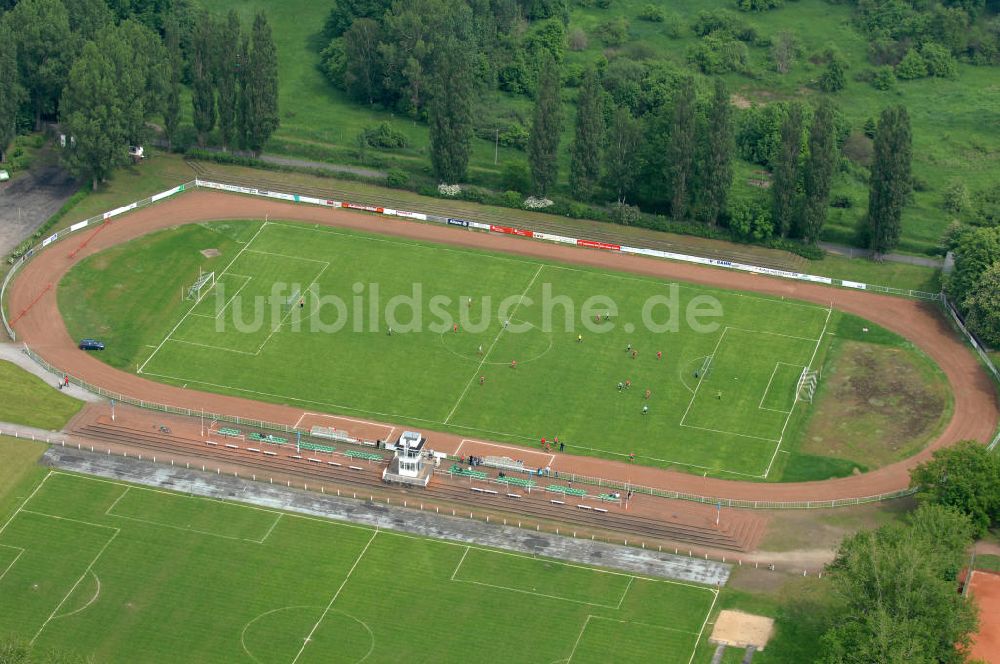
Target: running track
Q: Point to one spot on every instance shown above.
(976, 411)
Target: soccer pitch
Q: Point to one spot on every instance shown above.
(132, 574)
(722, 389)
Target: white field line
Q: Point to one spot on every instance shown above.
(291, 309)
(812, 359)
(333, 599)
(246, 280)
(773, 334)
(701, 632)
(460, 561)
(773, 373)
(701, 380)
(349, 419)
(20, 507)
(522, 450)
(579, 637)
(183, 529)
(493, 345)
(621, 600)
(731, 433)
(184, 317)
(112, 506)
(209, 346)
(286, 256)
(20, 552)
(345, 524)
(534, 594)
(82, 576)
(86, 606)
(270, 530)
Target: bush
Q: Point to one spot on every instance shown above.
(516, 177)
(883, 78)
(833, 79)
(841, 201)
(758, 5)
(625, 214)
(613, 32)
(718, 54)
(577, 39)
(385, 137)
(397, 178)
(939, 61)
(706, 22)
(751, 220)
(653, 14)
(912, 66)
(512, 199)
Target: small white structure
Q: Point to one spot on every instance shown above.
(407, 466)
(137, 153)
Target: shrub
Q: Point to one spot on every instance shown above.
(758, 5)
(397, 178)
(653, 14)
(718, 54)
(385, 137)
(577, 39)
(912, 66)
(625, 214)
(751, 220)
(613, 32)
(516, 177)
(841, 201)
(706, 22)
(939, 61)
(883, 78)
(833, 79)
(511, 199)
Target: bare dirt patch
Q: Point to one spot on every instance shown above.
(739, 101)
(735, 628)
(210, 253)
(880, 404)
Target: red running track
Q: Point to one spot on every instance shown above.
(976, 411)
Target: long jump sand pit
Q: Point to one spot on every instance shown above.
(739, 630)
(985, 590)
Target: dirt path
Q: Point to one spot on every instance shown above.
(976, 410)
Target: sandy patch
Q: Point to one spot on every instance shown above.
(738, 629)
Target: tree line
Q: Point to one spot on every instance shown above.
(105, 71)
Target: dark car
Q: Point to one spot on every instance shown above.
(91, 344)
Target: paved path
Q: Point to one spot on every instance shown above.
(855, 252)
(13, 353)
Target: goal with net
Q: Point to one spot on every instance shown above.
(805, 390)
(199, 288)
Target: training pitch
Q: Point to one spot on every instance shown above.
(133, 574)
(722, 394)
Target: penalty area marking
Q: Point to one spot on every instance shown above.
(522, 450)
(20, 552)
(97, 593)
(306, 414)
(770, 380)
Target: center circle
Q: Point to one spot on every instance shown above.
(495, 346)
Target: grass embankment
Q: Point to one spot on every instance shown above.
(29, 400)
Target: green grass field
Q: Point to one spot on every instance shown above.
(730, 419)
(28, 400)
(130, 574)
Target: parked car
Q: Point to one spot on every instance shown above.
(91, 344)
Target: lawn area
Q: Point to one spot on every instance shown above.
(28, 400)
(127, 574)
(951, 142)
(300, 314)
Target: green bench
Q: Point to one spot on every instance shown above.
(268, 438)
(558, 488)
(229, 431)
(361, 454)
(467, 472)
(317, 448)
(517, 481)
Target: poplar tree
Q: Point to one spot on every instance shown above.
(680, 150)
(450, 111)
(11, 92)
(546, 127)
(785, 182)
(585, 152)
(621, 156)
(890, 179)
(261, 90)
(226, 75)
(818, 172)
(202, 88)
(717, 162)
